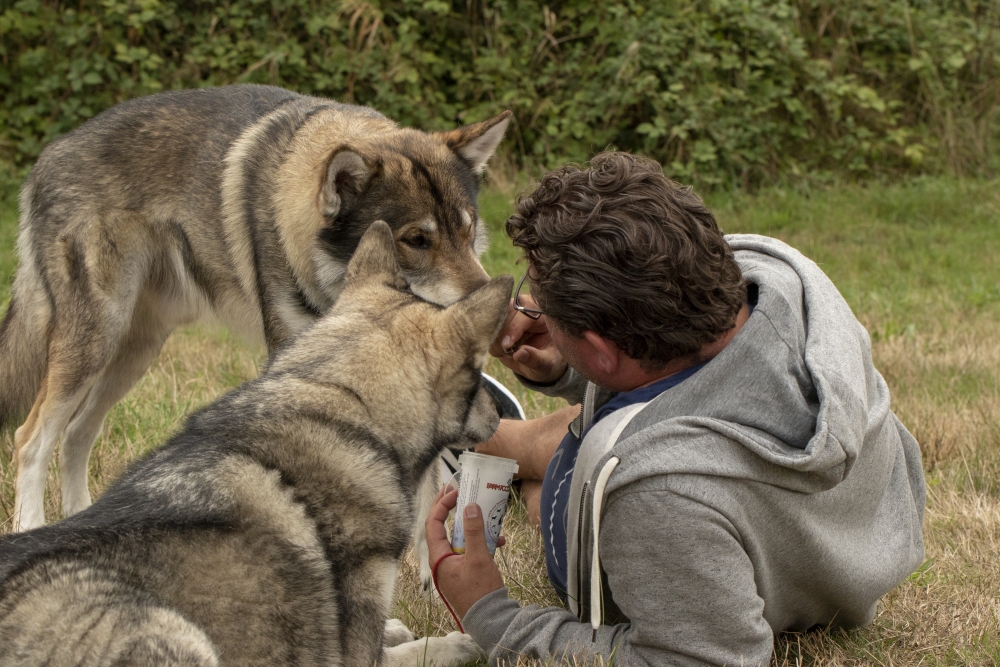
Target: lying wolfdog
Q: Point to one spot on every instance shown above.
(268, 531)
(241, 204)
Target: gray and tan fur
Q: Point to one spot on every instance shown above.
(241, 204)
(268, 531)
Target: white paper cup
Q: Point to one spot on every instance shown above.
(485, 481)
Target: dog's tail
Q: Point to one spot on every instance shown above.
(23, 348)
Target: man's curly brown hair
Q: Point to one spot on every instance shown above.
(621, 250)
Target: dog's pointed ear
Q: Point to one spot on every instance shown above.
(375, 256)
(484, 312)
(475, 143)
(347, 175)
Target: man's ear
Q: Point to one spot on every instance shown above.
(606, 354)
(483, 313)
(347, 175)
(475, 143)
(375, 256)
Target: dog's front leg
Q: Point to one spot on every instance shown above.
(425, 499)
(365, 600)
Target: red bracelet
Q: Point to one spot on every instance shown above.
(434, 576)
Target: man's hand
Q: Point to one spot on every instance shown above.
(525, 346)
(465, 578)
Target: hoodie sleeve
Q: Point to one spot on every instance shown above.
(678, 571)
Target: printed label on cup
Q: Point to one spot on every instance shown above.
(485, 481)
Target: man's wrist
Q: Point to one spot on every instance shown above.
(468, 598)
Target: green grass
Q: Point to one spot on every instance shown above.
(911, 255)
(495, 206)
(917, 263)
(9, 180)
(919, 253)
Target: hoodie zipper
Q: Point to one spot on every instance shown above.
(580, 546)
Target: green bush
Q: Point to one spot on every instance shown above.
(740, 92)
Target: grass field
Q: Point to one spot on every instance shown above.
(917, 262)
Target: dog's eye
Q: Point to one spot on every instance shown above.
(417, 241)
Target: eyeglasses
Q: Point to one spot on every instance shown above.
(533, 313)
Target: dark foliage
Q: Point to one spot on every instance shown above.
(740, 92)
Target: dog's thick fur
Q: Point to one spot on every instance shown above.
(241, 204)
(268, 531)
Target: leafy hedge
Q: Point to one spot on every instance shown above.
(721, 91)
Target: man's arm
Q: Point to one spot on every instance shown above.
(530, 442)
(678, 571)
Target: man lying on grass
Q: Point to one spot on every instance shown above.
(735, 470)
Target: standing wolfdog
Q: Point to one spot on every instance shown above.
(268, 531)
(242, 204)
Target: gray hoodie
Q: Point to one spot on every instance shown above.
(773, 490)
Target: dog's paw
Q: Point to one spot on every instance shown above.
(396, 633)
(453, 650)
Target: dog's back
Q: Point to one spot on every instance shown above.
(169, 596)
(149, 148)
(199, 535)
(45, 621)
(163, 155)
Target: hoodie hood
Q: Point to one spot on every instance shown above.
(794, 395)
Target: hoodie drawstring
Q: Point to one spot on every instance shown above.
(595, 563)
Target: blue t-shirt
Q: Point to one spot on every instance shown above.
(559, 475)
